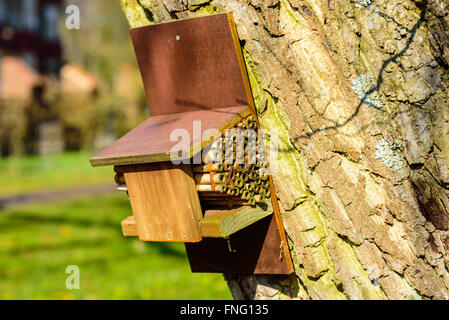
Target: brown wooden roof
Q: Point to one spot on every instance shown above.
(150, 141)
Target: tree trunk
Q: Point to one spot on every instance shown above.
(359, 94)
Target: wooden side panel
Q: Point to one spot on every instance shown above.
(255, 249)
(165, 203)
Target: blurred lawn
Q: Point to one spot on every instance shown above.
(52, 172)
(38, 242)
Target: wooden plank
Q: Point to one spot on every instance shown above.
(189, 64)
(151, 141)
(129, 228)
(165, 204)
(223, 223)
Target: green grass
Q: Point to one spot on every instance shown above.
(46, 173)
(38, 242)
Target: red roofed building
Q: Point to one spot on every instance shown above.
(30, 29)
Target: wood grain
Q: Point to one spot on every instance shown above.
(129, 228)
(165, 204)
(223, 223)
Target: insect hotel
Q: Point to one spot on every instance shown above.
(191, 171)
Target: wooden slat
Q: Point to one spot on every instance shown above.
(165, 204)
(223, 223)
(129, 228)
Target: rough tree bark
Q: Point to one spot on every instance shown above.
(359, 92)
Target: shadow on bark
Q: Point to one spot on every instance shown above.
(376, 88)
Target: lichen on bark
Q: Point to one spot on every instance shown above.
(359, 225)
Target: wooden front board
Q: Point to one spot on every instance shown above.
(164, 201)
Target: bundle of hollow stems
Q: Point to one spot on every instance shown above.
(235, 171)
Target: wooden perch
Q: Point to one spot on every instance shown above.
(129, 228)
(223, 223)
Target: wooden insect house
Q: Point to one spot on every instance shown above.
(188, 171)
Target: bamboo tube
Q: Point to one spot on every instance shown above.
(203, 168)
(222, 198)
(253, 175)
(212, 194)
(246, 195)
(227, 167)
(239, 182)
(241, 125)
(122, 187)
(206, 178)
(208, 187)
(260, 198)
(229, 204)
(263, 173)
(268, 193)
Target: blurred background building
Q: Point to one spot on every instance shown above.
(29, 29)
(65, 90)
(63, 95)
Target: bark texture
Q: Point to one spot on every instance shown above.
(359, 93)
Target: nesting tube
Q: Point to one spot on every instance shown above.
(239, 182)
(203, 168)
(248, 186)
(260, 198)
(208, 188)
(246, 195)
(207, 178)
